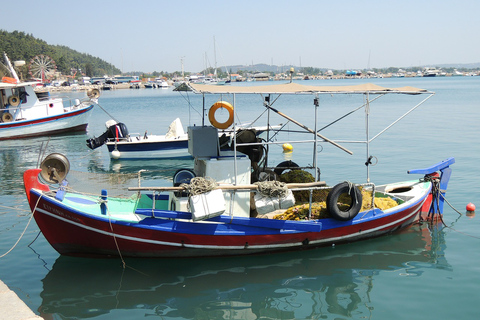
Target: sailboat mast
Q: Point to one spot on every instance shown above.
(215, 58)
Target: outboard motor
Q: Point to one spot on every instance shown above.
(115, 131)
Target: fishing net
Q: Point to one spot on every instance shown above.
(320, 211)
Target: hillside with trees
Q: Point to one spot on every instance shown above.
(21, 46)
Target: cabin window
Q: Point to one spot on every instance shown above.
(21, 93)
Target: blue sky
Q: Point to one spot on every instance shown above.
(154, 35)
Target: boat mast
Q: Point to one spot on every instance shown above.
(183, 72)
(215, 59)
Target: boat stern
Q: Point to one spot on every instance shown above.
(439, 175)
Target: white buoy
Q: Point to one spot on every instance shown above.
(115, 154)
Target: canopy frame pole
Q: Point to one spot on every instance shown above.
(403, 116)
(349, 113)
(315, 143)
(203, 112)
(367, 133)
(309, 130)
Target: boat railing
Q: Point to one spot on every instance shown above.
(311, 186)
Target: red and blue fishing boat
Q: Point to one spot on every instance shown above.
(232, 202)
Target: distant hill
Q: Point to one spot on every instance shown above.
(271, 68)
(316, 70)
(458, 65)
(21, 46)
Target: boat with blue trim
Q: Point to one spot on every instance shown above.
(122, 144)
(232, 202)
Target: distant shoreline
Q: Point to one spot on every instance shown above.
(120, 86)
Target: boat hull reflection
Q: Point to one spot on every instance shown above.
(296, 285)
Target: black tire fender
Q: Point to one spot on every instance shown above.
(332, 199)
(285, 165)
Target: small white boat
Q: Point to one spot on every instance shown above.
(431, 72)
(161, 83)
(174, 144)
(26, 113)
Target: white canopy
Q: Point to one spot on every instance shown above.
(295, 88)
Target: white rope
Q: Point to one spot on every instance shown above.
(199, 185)
(24, 230)
(272, 188)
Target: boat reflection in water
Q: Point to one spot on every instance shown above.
(306, 284)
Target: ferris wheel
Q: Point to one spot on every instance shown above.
(42, 67)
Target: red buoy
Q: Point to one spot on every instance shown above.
(470, 207)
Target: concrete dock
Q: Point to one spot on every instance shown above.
(12, 307)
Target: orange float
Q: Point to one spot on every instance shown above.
(211, 114)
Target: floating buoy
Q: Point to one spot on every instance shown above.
(470, 207)
(287, 147)
(115, 154)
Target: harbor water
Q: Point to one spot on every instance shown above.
(424, 272)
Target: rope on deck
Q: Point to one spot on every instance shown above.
(272, 188)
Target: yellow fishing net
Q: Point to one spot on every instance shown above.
(319, 209)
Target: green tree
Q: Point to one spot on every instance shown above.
(89, 70)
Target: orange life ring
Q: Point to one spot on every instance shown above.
(14, 101)
(9, 80)
(211, 114)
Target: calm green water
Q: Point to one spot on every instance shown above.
(425, 272)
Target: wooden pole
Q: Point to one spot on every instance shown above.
(234, 187)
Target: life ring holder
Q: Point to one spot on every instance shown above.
(7, 117)
(14, 100)
(332, 199)
(211, 115)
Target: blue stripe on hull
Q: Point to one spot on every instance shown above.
(147, 146)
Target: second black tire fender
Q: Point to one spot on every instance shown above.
(285, 165)
(332, 200)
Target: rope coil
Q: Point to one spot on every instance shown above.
(200, 185)
(272, 188)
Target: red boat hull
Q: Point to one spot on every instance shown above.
(74, 233)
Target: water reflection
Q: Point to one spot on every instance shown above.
(18, 155)
(154, 168)
(310, 284)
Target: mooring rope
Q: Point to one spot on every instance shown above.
(24, 230)
(436, 195)
(15, 208)
(106, 112)
(113, 233)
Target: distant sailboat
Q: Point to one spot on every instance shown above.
(215, 79)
